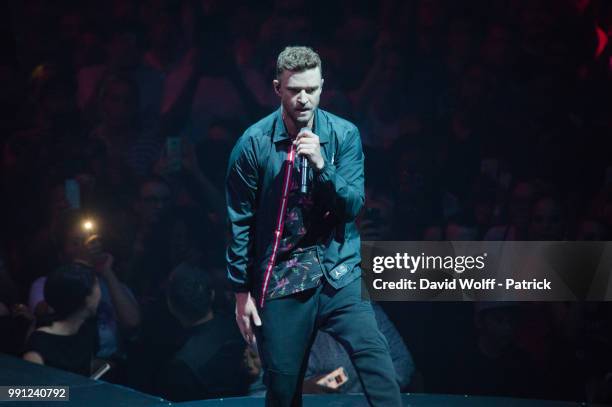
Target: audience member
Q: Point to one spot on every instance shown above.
(128, 148)
(493, 363)
(210, 363)
(68, 343)
(123, 56)
(118, 315)
(518, 214)
(461, 227)
(591, 230)
(548, 221)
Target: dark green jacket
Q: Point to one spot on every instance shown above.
(254, 190)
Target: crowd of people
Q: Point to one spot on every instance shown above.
(480, 120)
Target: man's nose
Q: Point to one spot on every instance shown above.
(302, 97)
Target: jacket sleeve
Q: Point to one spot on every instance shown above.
(241, 191)
(342, 180)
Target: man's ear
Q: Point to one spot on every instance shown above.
(276, 85)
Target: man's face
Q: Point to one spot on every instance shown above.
(300, 93)
(74, 245)
(546, 221)
(154, 200)
(457, 232)
(119, 104)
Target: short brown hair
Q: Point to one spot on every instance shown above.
(297, 59)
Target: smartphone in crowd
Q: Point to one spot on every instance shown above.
(101, 371)
(334, 379)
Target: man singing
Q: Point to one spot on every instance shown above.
(293, 257)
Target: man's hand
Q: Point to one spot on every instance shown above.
(252, 362)
(308, 145)
(103, 264)
(246, 313)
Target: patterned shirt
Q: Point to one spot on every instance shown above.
(297, 267)
(262, 257)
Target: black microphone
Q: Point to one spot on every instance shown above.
(303, 170)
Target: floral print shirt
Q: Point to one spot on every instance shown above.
(297, 268)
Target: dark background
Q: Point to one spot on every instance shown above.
(480, 119)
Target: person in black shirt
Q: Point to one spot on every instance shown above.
(69, 342)
(211, 363)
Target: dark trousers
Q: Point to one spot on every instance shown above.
(289, 326)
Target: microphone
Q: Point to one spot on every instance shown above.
(303, 170)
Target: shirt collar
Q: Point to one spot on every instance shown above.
(321, 127)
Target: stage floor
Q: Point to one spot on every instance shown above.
(94, 393)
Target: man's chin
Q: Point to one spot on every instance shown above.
(302, 120)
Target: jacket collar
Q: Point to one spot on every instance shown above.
(321, 127)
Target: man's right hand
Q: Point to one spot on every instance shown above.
(246, 315)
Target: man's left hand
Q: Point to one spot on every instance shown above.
(308, 145)
(103, 264)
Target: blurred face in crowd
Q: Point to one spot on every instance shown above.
(70, 27)
(496, 47)
(124, 9)
(410, 178)
(210, 7)
(123, 51)
(459, 37)
(432, 233)
(456, 232)
(581, 5)
(73, 245)
(472, 85)
(483, 212)
(88, 50)
(154, 200)
(289, 6)
(219, 134)
(520, 204)
(590, 230)
(429, 13)
(300, 93)
(546, 221)
(244, 51)
(392, 73)
(377, 220)
(536, 21)
(119, 104)
(163, 35)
